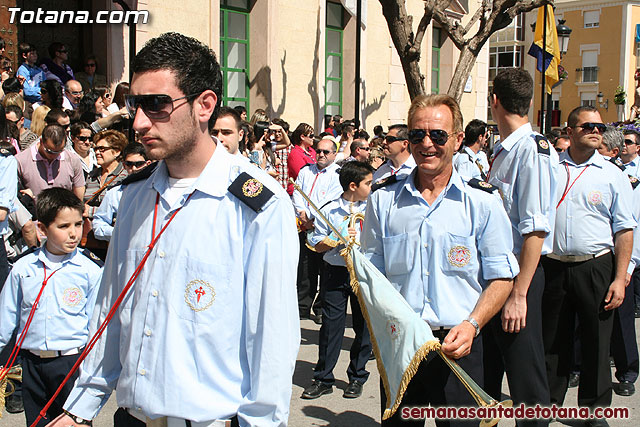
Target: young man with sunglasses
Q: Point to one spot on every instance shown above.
(586, 274)
(199, 248)
(444, 242)
(629, 153)
(524, 168)
(400, 163)
(47, 164)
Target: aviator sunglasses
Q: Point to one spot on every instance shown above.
(438, 136)
(156, 106)
(589, 127)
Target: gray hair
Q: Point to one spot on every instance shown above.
(613, 138)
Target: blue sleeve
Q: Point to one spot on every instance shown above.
(321, 229)
(29, 89)
(10, 301)
(8, 182)
(495, 243)
(371, 240)
(536, 174)
(621, 206)
(103, 218)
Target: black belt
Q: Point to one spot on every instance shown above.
(440, 332)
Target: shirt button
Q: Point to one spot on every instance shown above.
(161, 254)
(148, 332)
(143, 372)
(426, 245)
(49, 317)
(154, 293)
(426, 273)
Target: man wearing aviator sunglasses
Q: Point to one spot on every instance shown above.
(400, 163)
(424, 233)
(629, 153)
(215, 241)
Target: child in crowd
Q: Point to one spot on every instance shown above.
(69, 279)
(355, 178)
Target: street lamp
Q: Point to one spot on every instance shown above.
(603, 104)
(563, 36)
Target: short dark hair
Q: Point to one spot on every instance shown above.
(52, 200)
(23, 49)
(514, 89)
(11, 85)
(377, 130)
(282, 124)
(572, 120)
(355, 145)
(228, 111)
(354, 172)
(193, 64)
(475, 128)
(15, 110)
(53, 48)
(403, 130)
(54, 133)
(52, 116)
(362, 134)
(79, 126)
(134, 148)
(240, 109)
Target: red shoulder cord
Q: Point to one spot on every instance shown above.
(94, 339)
(18, 345)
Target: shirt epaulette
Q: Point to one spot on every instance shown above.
(93, 257)
(140, 175)
(634, 181)
(543, 144)
(23, 254)
(384, 182)
(321, 207)
(250, 191)
(616, 161)
(5, 153)
(482, 185)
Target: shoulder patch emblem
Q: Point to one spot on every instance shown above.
(250, 191)
(4, 152)
(542, 143)
(482, 185)
(199, 295)
(384, 182)
(634, 181)
(93, 257)
(616, 161)
(459, 256)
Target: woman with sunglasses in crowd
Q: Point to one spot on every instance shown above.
(108, 146)
(90, 109)
(302, 153)
(82, 145)
(52, 95)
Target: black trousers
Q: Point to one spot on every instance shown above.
(436, 385)
(4, 265)
(40, 379)
(624, 347)
(520, 355)
(335, 291)
(571, 288)
(309, 268)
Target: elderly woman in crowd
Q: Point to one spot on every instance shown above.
(82, 145)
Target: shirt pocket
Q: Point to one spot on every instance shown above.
(71, 299)
(460, 256)
(598, 197)
(399, 254)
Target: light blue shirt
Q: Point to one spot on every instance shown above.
(527, 180)
(633, 167)
(211, 327)
(8, 188)
(598, 205)
(435, 255)
(387, 169)
(338, 212)
(61, 321)
(320, 186)
(33, 77)
(465, 163)
(103, 219)
(635, 254)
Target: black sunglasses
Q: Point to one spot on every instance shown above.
(157, 106)
(137, 164)
(83, 138)
(325, 152)
(588, 126)
(389, 139)
(629, 141)
(438, 136)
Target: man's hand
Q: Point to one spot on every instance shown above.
(458, 341)
(63, 420)
(514, 313)
(28, 192)
(627, 280)
(615, 295)
(352, 231)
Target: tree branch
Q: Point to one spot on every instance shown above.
(422, 28)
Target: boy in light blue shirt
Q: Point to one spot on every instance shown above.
(355, 178)
(68, 279)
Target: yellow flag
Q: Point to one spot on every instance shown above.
(552, 58)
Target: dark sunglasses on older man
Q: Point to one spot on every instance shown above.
(156, 106)
(589, 127)
(438, 136)
(325, 152)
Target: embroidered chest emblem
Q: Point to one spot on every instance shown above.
(459, 256)
(594, 198)
(72, 297)
(199, 295)
(392, 329)
(543, 143)
(252, 188)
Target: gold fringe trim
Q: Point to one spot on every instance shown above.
(330, 242)
(411, 370)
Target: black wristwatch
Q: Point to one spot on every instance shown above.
(77, 419)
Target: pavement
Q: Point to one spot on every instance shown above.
(335, 411)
